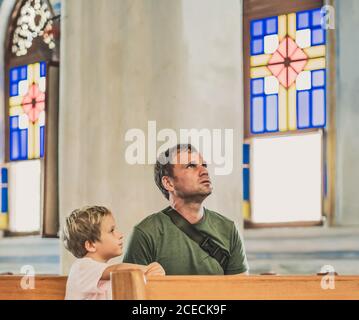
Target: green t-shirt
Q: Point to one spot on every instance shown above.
(157, 239)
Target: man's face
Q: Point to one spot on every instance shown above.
(190, 176)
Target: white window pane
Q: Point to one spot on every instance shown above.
(286, 178)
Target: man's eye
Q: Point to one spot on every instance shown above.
(205, 165)
(191, 165)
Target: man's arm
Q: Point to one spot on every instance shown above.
(237, 264)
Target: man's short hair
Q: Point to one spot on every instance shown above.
(83, 225)
(164, 164)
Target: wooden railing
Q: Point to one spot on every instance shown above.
(37, 288)
(131, 285)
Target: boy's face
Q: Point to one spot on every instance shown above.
(111, 242)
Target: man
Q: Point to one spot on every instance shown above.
(215, 248)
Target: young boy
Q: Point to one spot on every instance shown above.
(90, 234)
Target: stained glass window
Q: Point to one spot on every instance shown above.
(287, 70)
(27, 111)
(34, 21)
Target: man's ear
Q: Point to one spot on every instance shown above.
(90, 247)
(167, 183)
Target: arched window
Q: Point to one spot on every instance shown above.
(285, 87)
(32, 61)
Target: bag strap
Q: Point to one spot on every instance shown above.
(204, 241)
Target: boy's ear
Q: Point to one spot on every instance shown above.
(89, 246)
(167, 183)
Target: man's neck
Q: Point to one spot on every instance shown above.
(191, 211)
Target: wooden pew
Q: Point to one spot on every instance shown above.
(131, 285)
(45, 288)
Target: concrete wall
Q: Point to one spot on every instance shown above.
(126, 62)
(347, 27)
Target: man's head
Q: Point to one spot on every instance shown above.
(181, 172)
(92, 229)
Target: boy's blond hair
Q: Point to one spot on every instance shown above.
(83, 225)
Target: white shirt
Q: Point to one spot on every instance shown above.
(83, 282)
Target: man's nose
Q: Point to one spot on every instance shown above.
(204, 171)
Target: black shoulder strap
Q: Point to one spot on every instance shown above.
(205, 242)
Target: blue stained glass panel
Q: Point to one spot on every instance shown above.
(258, 114)
(318, 107)
(272, 112)
(257, 46)
(14, 122)
(318, 78)
(272, 25)
(302, 20)
(257, 28)
(23, 137)
(246, 154)
(14, 75)
(14, 90)
(318, 37)
(23, 73)
(3, 175)
(257, 86)
(316, 18)
(303, 106)
(4, 197)
(14, 145)
(42, 141)
(42, 69)
(246, 184)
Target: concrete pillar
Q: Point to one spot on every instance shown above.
(124, 63)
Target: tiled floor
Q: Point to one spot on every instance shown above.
(282, 250)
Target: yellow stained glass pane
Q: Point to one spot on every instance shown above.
(292, 19)
(260, 60)
(260, 72)
(16, 111)
(282, 27)
(283, 114)
(314, 64)
(36, 139)
(36, 72)
(15, 101)
(246, 210)
(3, 221)
(30, 141)
(315, 51)
(30, 73)
(292, 107)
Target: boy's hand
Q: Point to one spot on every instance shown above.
(155, 269)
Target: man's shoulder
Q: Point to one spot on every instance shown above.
(151, 222)
(218, 218)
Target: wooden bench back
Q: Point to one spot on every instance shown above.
(131, 285)
(45, 288)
